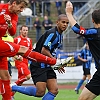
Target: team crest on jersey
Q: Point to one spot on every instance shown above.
(49, 44)
(2, 12)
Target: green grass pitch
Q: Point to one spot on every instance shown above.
(63, 94)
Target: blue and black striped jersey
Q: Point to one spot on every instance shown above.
(86, 54)
(51, 40)
(92, 35)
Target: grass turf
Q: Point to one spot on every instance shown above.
(63, 94)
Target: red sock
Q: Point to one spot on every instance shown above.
(21, 80)
(13, 93)
(6, 90)
(35, 56)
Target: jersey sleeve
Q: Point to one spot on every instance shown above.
(15, 40)
(84, 32)
(30, 44)
(82, 53)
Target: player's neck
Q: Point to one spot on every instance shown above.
(23, 36)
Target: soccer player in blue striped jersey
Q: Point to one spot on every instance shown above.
(86, 57)
(92, 35)
(43, 75)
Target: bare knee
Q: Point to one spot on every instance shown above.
(55, 91)
(40, 93)
(41, 89)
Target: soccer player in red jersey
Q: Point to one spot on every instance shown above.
(22, 63)
(9, 18)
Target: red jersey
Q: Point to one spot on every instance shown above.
(3, 24)
(24, 42)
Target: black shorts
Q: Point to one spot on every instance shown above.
(86, 71)
(94, 84)
(42, 74)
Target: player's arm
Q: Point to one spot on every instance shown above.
(18, 57)
(12, 23)
(69, 10)
(31, 46)
(83, 60)
(48, 44)
(75, 27)
(12, 28)
(46, 52)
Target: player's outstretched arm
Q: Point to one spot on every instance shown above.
(69, 10)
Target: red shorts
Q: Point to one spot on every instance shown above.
(23, 69)
(7, 49)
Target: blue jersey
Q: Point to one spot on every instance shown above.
(51, 40)
(86, 54)
(92, 35)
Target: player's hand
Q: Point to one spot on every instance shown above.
(69, 7)
(61, 69)
(18, 57)
(7, 18)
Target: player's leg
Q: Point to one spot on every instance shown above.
(28, 90)
(80, 84)
(10, 72)
(86, 95)
(11, 49)
(23, 73)
(5, 79)
(88, 74)
(52, 90)
(37, 91)
(39, 78)
(51, 85)
(88, 78)
(91, 89)
(35, 56)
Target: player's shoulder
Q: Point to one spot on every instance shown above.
(3, 8)
(17, 37)
(83, 50)
(51, 31)
(93, 30)
(4, 5)
(29, 39)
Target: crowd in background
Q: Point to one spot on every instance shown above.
(42, 8)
